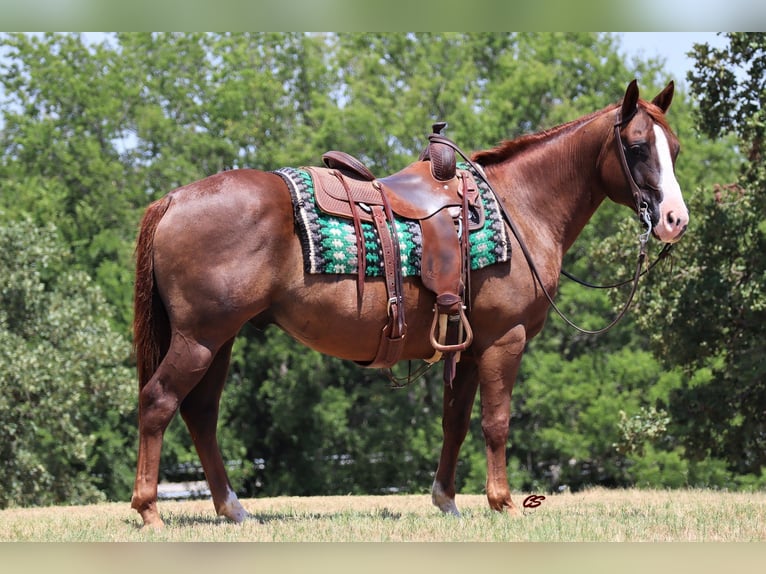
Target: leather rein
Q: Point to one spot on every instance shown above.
(643, 238)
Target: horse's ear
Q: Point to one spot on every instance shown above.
(630, 101)
(663, 99)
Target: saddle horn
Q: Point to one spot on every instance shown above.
(440, 154)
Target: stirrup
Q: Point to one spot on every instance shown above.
(442, 319)
(458, 347)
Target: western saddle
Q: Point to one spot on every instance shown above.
(445, 202)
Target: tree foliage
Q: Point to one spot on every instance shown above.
(65, 390)
(92, 131)
(717, 310)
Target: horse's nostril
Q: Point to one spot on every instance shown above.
(673, 220)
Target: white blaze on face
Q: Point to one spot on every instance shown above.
(674, 216)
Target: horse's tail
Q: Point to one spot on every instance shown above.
(151, 327)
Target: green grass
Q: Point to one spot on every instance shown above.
(593, 516)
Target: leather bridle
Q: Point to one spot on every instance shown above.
(642, 208)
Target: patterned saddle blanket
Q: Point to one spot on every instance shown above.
(330, 246)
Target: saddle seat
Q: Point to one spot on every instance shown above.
(413, 192)
(417, 192)
(445, 202)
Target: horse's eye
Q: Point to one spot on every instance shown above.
(639, 151)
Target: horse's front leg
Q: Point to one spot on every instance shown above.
(498, 366)
(457, 405)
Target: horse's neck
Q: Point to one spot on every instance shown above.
(552, 187)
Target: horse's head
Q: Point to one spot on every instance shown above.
(647, 151)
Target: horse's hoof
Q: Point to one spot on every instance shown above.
(450, 508)
(153, 523)
(238, 517)
(508, 508)
(151, 518)
(513, 510)
(442, 501)
(233, 510)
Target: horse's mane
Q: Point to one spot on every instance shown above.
(509, 148)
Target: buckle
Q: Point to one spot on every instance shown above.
(391, 302)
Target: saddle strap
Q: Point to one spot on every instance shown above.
(392, 338)
(361, 250)
(465, 241)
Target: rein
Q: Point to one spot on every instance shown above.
(664, 252)
(643, 238)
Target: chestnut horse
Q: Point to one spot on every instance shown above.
(223, 251)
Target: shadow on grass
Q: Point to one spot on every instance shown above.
(282, 516)
(175, 520)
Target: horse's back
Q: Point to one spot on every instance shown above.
(226, 212)
(231, 188)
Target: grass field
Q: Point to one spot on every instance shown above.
(592, 516)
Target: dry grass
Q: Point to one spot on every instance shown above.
(593, 516)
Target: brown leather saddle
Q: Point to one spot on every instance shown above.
(445, 201)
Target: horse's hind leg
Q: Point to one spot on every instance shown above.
(182, 368)
(458, 402)
(200, 412)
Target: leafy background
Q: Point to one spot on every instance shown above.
(92, 132)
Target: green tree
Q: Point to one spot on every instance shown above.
(715, 305)
(66, 394)
(64, 118)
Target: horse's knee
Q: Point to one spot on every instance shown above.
(200, 405)
(199, 411)
(180, 371)
(495, 435)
